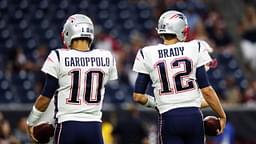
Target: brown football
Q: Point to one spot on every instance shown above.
(211, 125)
(43, 132)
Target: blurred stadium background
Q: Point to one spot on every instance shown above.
(29, 29)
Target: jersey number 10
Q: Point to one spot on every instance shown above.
(92, 87)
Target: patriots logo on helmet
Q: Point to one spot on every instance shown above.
(177, 16)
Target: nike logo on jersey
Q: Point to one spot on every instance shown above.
(163, 53)
(87, 61)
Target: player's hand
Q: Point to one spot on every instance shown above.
(222, 125)
(30, 132)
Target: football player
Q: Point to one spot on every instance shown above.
(75, 76)
(177, 71)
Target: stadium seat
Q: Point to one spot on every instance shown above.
(5, 89)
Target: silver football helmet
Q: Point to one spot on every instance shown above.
(173, 22)
(76, 26)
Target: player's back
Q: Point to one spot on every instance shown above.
(172, 69)
(82, 76)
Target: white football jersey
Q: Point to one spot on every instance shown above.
(172, 69)
(82, 77)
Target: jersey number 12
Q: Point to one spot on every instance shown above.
(179, 83)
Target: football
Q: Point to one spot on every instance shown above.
(211, 124)
(42, 132)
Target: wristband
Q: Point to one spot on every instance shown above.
(151, 102)
(34, 116)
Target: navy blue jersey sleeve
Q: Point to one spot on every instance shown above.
(150, 89)
(141, 83)
(201, 77)
(50, 86)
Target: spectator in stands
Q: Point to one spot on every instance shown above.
(130, 129)
(6, 136)
(39, 56)
(17, 60)
(108, 42)
(250, 94)
(216, 28)
(248, 23)
(233, 91)
(253, 84)
(20, 131)
(1, 116)
(152, 38)
(225, 52)
(247, 30)
(137, 41)
(107, 128)
(200, 32)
